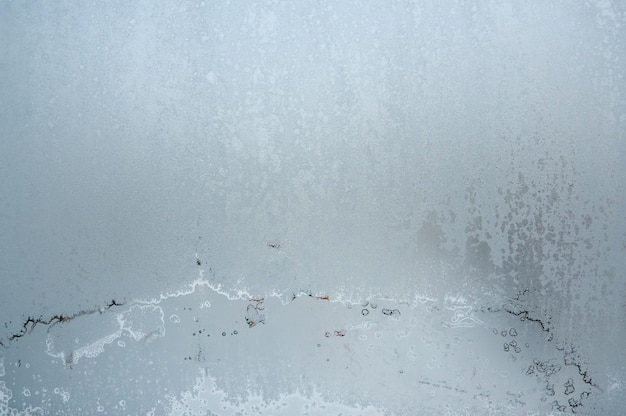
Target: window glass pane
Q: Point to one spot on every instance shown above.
(312, 208)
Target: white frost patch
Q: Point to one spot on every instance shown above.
(81, 337)
(6, 394)
(463, 313)
(143, 322)
(140, 322)
(192, 287)
(205, 397)
(614, 384)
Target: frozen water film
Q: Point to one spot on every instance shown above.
(315, 207)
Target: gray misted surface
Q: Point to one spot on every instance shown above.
(312, 208)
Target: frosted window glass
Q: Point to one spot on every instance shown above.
(315, 207)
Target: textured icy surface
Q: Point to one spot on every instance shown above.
(460, 166)
(195, 350)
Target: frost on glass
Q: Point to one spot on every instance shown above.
(313, 208)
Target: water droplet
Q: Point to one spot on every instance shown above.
(391, 312)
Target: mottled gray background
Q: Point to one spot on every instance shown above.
(356, 149)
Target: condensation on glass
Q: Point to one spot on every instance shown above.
(313, 208)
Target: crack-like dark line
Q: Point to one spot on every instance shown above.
(545, 327)
(569, 359)
(572, 361)
(31, 322)
(525, 314)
